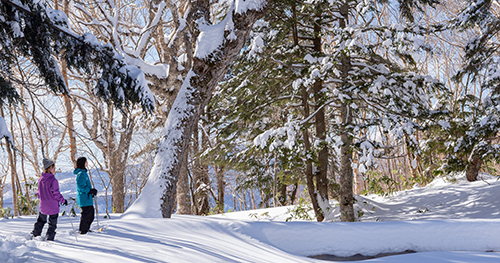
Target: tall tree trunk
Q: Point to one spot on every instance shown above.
(117, 177)
(320, 124)
(67, 103)
(346, 174)
(309, 171)
(13, 176)
(183, 195)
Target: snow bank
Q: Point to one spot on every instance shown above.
(372, 238)
(208, 239)
(260, 236)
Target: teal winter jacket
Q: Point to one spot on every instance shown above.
(83, 186)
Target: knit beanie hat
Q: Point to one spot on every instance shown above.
(47, 163)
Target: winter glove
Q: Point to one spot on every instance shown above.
(65, 202)
(93, 192)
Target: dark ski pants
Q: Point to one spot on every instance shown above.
(40, 222)
(87, 219)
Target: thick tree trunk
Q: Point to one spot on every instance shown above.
(194, 95)
(117, 177)
(473, 169)
(183, 195)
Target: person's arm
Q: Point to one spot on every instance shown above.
(83, 183)
(55, 192)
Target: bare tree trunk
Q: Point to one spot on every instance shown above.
(67, 103)
(346, 174)
(33, 146)
(183, 196)
(252, 197)
(13, 176)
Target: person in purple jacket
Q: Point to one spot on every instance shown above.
(50, 198)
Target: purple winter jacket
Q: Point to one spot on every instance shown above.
(48, 194)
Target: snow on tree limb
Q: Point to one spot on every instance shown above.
(4, 132)
(207, 69)
(41, 33)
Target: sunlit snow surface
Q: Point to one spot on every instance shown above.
(460, 225)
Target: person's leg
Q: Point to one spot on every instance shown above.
(82, 219)
(87, 218)
(40, 222)
(51, 233)
(91, 217)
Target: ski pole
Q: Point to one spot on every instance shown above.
(95, 201)
(72, 226)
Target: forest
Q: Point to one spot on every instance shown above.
(202, 107)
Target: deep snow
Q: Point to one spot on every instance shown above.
(456, 223)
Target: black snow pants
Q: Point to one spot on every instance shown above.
(40, 222)
(87, 219)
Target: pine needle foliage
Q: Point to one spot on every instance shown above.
(35, 31)
(366, 68)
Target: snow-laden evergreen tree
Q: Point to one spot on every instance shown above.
(472, 136)
(340, 60)
(33, 30)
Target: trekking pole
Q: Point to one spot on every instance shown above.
(95, 201)
(72, 226)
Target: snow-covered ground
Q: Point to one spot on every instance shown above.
(442, 222)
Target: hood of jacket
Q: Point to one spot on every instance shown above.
(79, 170)
(45, 177)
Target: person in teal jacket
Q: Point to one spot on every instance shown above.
(85, 194)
